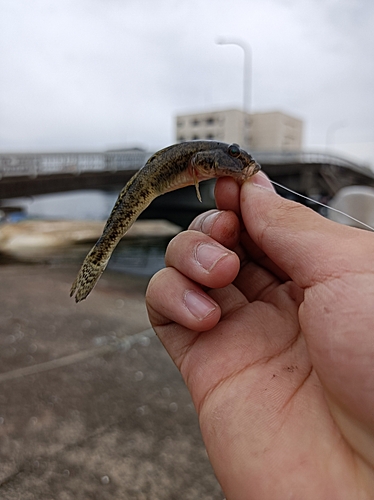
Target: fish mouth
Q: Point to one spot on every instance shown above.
(257, 168)
(251, 169)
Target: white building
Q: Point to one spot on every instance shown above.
(271, 131)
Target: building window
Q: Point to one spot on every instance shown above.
(195, 122)
(210, 120)
(181, 138)
(195, 137)
(210, 137)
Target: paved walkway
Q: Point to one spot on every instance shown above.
(85, 413)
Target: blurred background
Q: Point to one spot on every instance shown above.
(96, 75)
(90, 404)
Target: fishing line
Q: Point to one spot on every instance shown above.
(323, 205)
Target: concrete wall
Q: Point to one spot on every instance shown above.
(275, 131)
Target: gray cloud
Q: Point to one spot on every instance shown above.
(92, 74)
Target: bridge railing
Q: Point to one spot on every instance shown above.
(308, 158)
(35, 164)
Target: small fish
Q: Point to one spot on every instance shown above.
(171, 168)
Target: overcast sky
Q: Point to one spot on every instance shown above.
(97, 74)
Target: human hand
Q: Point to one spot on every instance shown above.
(267, 309)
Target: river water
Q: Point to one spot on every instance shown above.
(77, 205)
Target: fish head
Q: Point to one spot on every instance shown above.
(226, 160)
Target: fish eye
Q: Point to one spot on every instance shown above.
(234, 150)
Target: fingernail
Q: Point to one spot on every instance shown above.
(204, 222)
(207, 255)
(198, 305)
(261, 180)
(208, 222)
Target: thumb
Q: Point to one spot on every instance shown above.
(308, 247)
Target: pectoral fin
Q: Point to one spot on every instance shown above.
(196, 182)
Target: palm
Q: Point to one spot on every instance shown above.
(257, 372)
(258, 334)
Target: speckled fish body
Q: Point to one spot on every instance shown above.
(171, 168)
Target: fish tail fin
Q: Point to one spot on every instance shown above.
(88, 275)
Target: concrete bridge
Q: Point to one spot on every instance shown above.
(312, 174)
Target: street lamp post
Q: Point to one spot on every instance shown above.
(246, 71)
(330, 133)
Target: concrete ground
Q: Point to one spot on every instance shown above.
(83, 413)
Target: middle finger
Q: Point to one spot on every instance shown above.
(202, 259)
